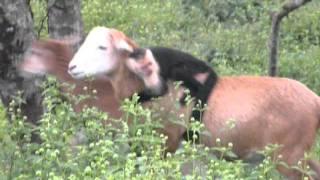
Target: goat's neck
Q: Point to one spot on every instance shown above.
(125, 82)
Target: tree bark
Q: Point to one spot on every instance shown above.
(275, 28)
(64, 19)
(16, 34)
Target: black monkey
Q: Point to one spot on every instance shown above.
(176, 65)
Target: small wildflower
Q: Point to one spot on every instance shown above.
(12, 102)
(169, 155)
(87, 170)
(38, 173)
(194, 150)
(115, 156)
(139, 132)
(194, 136)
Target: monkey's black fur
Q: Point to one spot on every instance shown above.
(180, 66)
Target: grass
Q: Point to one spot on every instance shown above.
(104, 151)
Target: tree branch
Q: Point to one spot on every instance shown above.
(275, 27)
(45, 18)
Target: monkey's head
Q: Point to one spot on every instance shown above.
(142, 62)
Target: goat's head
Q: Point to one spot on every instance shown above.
(100, 53)
(46, 56)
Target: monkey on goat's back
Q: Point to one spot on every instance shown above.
(175, 65)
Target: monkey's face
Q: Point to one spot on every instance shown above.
(147, 68)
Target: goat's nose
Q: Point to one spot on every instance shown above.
(72, 67)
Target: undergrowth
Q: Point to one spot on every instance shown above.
(91, 145)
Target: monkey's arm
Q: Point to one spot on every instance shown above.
(147, 94)
(187, 80)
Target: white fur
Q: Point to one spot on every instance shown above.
(153, 82)
(90, 60)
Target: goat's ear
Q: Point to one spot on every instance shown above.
(121, 41)
(124, 46)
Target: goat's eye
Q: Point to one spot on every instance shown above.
(102, 47)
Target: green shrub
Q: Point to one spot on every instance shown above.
(82, 146)
(231, 35)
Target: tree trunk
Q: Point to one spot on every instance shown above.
(275, 28)
(16, 34)
(64, 19)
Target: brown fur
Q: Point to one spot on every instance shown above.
(264, 111)
(118, 35)
(57, 55)
(125, 84)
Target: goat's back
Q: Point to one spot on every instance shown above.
(263, 111)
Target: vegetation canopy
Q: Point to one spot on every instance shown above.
(231, 35)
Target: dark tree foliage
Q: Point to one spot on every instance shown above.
(228, 10)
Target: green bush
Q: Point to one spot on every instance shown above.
(231, 35)
(82, 146)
